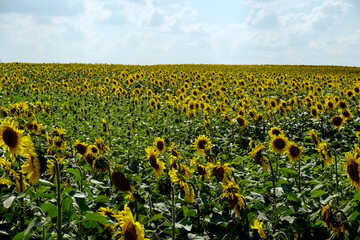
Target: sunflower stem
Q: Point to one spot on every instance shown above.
(22, 218)
(81, 228)
(299, 175)
(274, 195)
(58, 199)
(173, 213)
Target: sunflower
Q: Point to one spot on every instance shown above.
(352, 168)
(330, 104)
(325, 153)
(337, 121)
(59, 143)
(221, 171)
(157, 165)
(293, 152)
(329, 218)
(159, 144)
(231, 193)
(11, 138)
(258, 226)
(279, 144)
(314, 138)
(129, 228)
(32, 167)
(275, 131)
(5, 183)
(120, 181)
(99, 143)
(80, 147)
(173, 152)
(100, 164)
(107, 212)
(202, 144)
(241, 121)
(314, 112)
(189, 194)
(346, 113)
(256, 155)
(104, 127)
(202, 170)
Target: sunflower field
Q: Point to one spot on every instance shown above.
(96, 151)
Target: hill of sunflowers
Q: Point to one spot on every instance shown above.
(179, 152)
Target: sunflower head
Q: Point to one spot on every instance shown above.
(11, 138)
(202, 144)
(279, 143)
(274, 131)
(241, 121)
(293, 152)
(337, 121)
(314, 138)
(159, 144)
(120, 181)
(80, 148)
(352, 168)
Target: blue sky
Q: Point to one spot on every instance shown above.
(316, 32)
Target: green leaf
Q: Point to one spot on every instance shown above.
(47, 183)
(96, 217)
(357, 196)
(9, 201)
(50, 209)
(292, 198)
(75, 172)
(353, 216)
(29, 227)
(100, 184)
(317, 193)
(19, 236)
(156, 217)
(102, 198)
(288, 171)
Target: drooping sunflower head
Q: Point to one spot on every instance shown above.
(11, 138)
(314, 138)
(120, 181)
(202, 144)
(80, 147)
(278, 144)
(275, 131)
(337, 121)
(221, 172)
(159, 144)
(293, 152)
(157, 165)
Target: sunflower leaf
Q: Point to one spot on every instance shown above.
(9, 201)
(96, 217)
(317, 193)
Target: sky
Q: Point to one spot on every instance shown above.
(147, 32)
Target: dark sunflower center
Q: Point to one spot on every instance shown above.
(10, 137)
(330, 105)
(81, 148)
(346, 114)
(342, 104)
(130, 233)
(58, 143)
(174, 153)
(279, 144)
(201, 170)
(120, 181)
(276, 132)
(353, 172)
(160, 146)
(294, 151)
(240, 121)
(201, 144)
(90, 158)
(219, 173)
(337, 121)
(314, 112)
(153, 162)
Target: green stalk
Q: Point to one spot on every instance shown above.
(274, 195)
(173, 213)
(58, 199)
(299, 175)
(81, 228)
(22, 214)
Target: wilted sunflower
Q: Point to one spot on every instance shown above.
(202, 144)
(352, 168)
(157, 165)
(258, 226)
(11, 138)
(329, 218)
(325, 153)
(231, 193)
(337, 121)
(100, 164)
(159, 144)
(129, 228)
(221, 171)
(278, 144)
(120, 181)
(80, 147)
(256, 155)
(275, 131)
(293, 152)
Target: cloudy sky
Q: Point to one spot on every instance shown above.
(316, 32)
